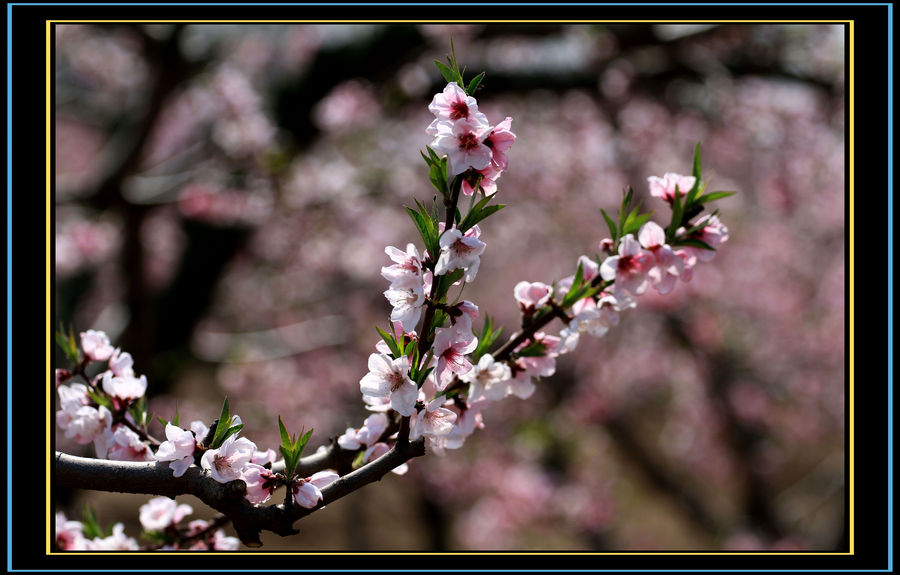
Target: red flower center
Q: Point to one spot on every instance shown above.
(459, 110)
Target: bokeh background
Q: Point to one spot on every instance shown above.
(224, 194)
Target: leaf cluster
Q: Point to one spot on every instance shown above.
(223, 427)
(452, 73)
(292, 447)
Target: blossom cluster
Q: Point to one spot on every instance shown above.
(440, 377)
(98, 410)
(160, 518)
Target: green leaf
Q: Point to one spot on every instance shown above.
(574, 288)
(634, 223)
(611, 225)
(90, 526)
(533, 349)
(473, 85)
(446, 71)
(358, 460)
(68, 344)
(285, 436)
(390, 341)
(691, 197)
(222, 426)
(301, 443)
(694, 243)
(100, 399)
(713, 196)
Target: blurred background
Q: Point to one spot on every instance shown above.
(224, 194)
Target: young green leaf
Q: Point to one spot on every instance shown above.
(473, 85)
(611, 225)
(390, 341)
(713, 196)
(446, 71)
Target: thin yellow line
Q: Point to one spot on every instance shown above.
(851, 103)
(49, 319)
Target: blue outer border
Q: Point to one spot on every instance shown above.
(890, 307)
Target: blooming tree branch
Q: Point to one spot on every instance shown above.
(430, 377)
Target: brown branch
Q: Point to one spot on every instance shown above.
(155, 478)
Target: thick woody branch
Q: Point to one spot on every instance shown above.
(155, 478)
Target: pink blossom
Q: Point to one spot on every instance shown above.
(466, 423)
(125, 445)
(450, 348)
(542, 365)
(487, 379)
(664, 187)
(500, 140)
(83, 423)
(118, 541)
(713, 233)
(407, 266)
(594, 318)
(178, 448)
(69, 534)
(200, 430)
(162, 512)
(407, 299)
(226, 463)
(124, 388)
(263, 457)
(73, 396)
(629, 269)
(433, 422)
(96, 345)
(668, 265)
(463, 143)
(121, 364)
(532, 296)
(261, 483)
(307, 492)
(485, 178)
(377, 450)
(389, 378)
(452, 104)
(222, 542)
(460, 251)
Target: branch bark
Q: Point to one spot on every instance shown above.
(155, 478)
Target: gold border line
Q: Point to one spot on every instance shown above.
(50, 428)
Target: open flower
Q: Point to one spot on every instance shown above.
(629, 269)
(227, 462)
(407, 265)
(390, 378)
(453, 104)
(123, 444)
(178, 448)
(124, 388)
(162, 512)
(121, 364)
(96, 345)
(664, 187)
(463, 143)
(261, 483)
(450, 348)
(407, 298)
(668, 265)
(487, 379)
(532, 295)
(460, 250)
(500, 140)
